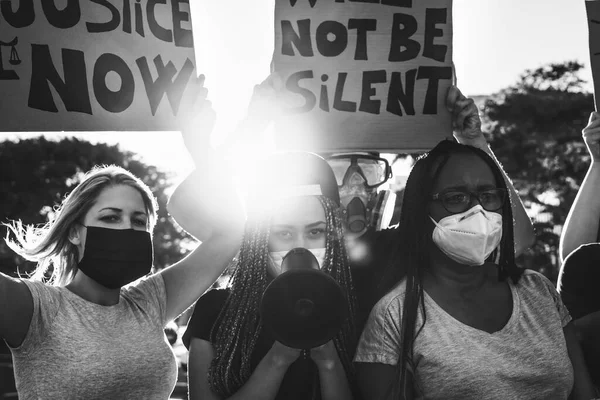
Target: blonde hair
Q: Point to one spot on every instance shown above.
(49, 245)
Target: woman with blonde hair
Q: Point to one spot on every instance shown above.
(84, 326)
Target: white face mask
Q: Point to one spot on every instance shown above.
(276, 258)
(469, 237)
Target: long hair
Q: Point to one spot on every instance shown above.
(238, 326)
(415, 239)
(49, 244)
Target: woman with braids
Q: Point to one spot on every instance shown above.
(465, 322)
(231, 355)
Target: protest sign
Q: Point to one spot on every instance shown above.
(94, 65)
(593, 16)
(363, 74)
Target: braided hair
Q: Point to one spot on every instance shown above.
(236, 330)
(415, 240)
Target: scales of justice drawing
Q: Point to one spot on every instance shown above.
(9, 74)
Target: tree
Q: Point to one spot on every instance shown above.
(535, 128)
(36, 174)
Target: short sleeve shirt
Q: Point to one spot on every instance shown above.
(76, 349)
(526, 359)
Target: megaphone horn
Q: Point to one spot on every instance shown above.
(303, 307)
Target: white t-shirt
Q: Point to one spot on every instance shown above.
(527, 359)
(76, 349)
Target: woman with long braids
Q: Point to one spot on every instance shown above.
(231, 355)
(465, 322)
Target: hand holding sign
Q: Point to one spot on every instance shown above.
(465, 118)
(591, 135)
(262, 110)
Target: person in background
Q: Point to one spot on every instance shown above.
(85, 326)
(580, 251)
(462, 320)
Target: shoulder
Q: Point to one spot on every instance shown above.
(380, 339)
(150, 295)
(206, 311)
(533, 280)
(146, 286)
(46, 301)
(390, 305)
(538, 294)
(46, 298)
(149, 291)
(40, 289)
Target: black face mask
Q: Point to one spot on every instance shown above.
(116, 257)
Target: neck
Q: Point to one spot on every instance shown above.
(90, 290)
(461, 279)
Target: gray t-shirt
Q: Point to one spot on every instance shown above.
(527, 359)
(76, 349)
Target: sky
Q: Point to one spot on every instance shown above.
(494, 42)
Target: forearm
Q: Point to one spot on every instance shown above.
(187, 280)
(581, 225)
(334, 382)
(264, 382)
(204, 205)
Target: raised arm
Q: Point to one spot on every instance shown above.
(263, 384)
(207, 206)
(467, 130)
(581, 226)
(16, 310)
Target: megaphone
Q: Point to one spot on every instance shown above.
(303, 307)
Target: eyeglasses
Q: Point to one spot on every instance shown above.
(374, 170)
(457, 201)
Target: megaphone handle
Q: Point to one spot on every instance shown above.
(305, 354)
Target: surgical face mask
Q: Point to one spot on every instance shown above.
(116, 257)
(469, 237)
(276, 258)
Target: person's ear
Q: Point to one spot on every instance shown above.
(75, 235)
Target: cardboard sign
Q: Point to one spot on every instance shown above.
(363, 74)
(593, 16)
(94, 65)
